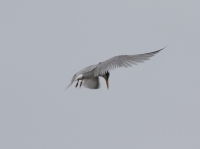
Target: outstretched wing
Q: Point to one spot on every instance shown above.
(122, 61)
(91, 83)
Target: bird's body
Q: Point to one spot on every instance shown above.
(89, 75)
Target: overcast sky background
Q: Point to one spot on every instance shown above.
(154, 105)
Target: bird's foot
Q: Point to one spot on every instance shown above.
(76, 84)
(81, 84)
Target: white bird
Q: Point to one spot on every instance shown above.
(89, 76)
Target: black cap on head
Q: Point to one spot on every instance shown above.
(107, 74)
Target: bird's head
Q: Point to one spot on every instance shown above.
(106, 77)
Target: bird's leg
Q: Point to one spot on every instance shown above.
(77, 84)
(81, 83)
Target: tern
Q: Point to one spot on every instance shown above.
(89, 76)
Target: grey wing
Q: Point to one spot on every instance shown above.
(91, 83)
(122, 61)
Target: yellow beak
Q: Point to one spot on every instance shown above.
(107, 84)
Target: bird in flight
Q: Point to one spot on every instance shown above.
(89, 76)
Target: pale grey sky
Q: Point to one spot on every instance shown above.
(152, 105)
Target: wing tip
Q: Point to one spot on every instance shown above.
(67, 87)
(162, 48)
(158, 50)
